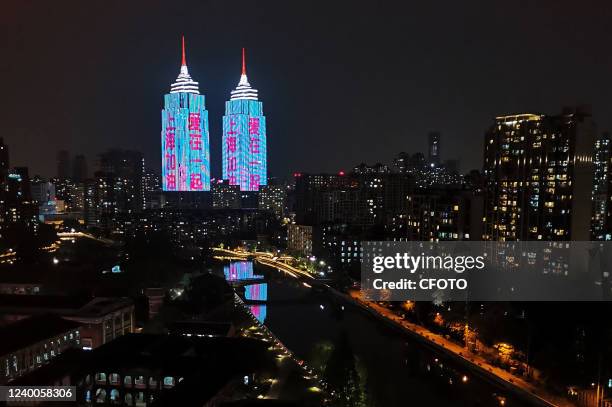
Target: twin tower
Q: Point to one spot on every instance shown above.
(185, 137)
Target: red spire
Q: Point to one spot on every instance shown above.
(184, 61)
(243, 62)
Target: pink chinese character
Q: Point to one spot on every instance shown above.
(231, 144)
(170, 140)
(232, 179)
(194, 122)
(170, 161)
(170, 180)
(254, 182)
(195, 141)
(254, 125)
(182, 178)
(195, 182)
(232, 124)
(254, 145)
(231, 164)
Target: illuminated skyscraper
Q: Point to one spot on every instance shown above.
(433, 153)
(539, 177)
(244, 137)
(185, 141)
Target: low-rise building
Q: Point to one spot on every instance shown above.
(102, 319)
(32, 342)
(159, 370)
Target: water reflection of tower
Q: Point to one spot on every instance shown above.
(254, 294)
(259, 292)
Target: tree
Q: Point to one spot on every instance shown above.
(341, 373)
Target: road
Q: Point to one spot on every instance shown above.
(529, 389)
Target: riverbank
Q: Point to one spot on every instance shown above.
(295, 380)
(527, 390)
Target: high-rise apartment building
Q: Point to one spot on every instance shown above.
(125, 170)
(539, 176)
(444, 214)
(272, 198)
(601, 220)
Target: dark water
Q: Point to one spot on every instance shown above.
(365, 360)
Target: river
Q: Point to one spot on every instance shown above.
(365, 360)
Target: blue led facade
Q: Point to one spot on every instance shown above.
(244, 147)
(184, 136)
(185, 143)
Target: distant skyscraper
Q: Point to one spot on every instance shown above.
(79, 168)
(434, 148)
(401, 162)
(185, 139)
(539, 177)
(244, 137)
(63, 164)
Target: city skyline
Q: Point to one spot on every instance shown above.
(421, 214)
(363, 66)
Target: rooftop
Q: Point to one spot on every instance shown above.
(206, 328)
(74, 306)
(30, 331)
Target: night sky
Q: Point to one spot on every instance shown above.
(341, 82)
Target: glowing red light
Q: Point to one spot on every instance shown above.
(341, 173)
